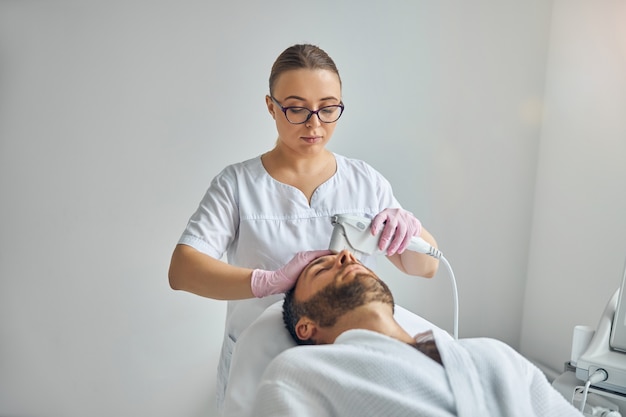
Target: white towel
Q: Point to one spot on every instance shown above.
(365, 373)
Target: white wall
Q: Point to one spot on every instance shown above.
(115, 115)
(578, 244)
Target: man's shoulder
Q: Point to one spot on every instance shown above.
(490, 350)
(308, 358)
(352, 349)
(307, 351)
(487, 343)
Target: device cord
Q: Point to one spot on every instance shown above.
(598, 376)
(455, 295)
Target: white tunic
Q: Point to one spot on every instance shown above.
(259, 222)
(365, 373)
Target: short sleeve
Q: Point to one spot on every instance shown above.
(214, 225)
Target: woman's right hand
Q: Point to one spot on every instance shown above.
(399, 226)
(266, 283)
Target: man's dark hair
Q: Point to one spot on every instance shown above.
(291, 315)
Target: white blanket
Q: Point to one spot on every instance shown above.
(368, 374)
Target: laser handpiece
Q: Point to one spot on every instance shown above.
(353, 233)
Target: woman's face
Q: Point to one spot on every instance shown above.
(304, 88)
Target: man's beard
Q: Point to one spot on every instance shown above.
(336, 299)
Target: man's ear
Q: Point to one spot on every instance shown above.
(306, 328)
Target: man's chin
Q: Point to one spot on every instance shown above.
(377, 290)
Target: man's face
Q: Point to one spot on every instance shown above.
(333, 285)
(326, 270)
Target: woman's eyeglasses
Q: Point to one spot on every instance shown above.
(297, 115)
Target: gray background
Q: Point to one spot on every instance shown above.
(501, 126)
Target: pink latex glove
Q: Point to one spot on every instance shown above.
(399, 227)
(266, 283)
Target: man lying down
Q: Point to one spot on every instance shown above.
(365, 364)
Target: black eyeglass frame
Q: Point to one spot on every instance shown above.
(311, 112)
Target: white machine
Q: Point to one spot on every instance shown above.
(605, 356)
(599, 361)
(354, 234)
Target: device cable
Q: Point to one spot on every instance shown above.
(436, 253)
(455, 294)
(598, 376)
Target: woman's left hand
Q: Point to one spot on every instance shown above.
(399, 227)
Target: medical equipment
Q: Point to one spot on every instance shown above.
(603, 364)
(606, 350)
(618, 332)
(353, 233)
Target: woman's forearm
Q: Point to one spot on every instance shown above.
(200, 274)
(418, 264)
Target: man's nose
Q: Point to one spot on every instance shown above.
(345, 257)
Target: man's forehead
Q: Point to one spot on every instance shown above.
(305, 278)
(317, 261)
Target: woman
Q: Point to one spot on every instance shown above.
(271, 214)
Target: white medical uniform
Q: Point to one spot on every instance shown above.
(261, 223)
(365, 373)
